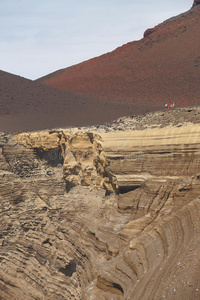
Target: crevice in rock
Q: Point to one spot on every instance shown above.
(53, 157)
(109, 286)
(107, 193)
(118, 287)
(69, 186)
(126, 189)
(69, 269)
(47, 241)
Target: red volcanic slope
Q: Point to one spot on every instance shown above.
(162, 67)
(27, 105)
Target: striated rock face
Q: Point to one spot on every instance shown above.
(59, 242)
(84, 162)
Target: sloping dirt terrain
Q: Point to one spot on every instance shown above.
(136, 78)
(163, 67)
(28, 105)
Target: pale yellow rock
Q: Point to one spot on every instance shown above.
(40, 203)
(84, 160)
(126, 140)
(45, 140)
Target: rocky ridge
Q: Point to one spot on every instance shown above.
(77, 241)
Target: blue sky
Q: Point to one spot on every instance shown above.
(41, 36)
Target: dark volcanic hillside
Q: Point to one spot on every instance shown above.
(162, 67)
(27, 105)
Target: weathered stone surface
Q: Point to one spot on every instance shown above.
(61, 243)
(84, 162)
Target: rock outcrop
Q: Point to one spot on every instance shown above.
(59, 242)
(148, 31)
(196, 3)
(84, 162)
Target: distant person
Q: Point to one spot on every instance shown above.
(172, 105)
(165, 105)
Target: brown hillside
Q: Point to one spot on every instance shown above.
(27, 105)
(162, 67)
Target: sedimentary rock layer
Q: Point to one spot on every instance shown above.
(84, 162)
(63, 242)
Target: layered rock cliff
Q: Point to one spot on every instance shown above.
(138, 240)
(84, 162)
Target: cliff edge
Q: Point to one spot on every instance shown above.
(100, 215)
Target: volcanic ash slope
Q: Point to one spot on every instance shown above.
(160, 68)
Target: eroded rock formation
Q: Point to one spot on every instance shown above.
(60, 243)
(84, 162)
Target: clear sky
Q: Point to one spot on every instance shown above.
(38, 37)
